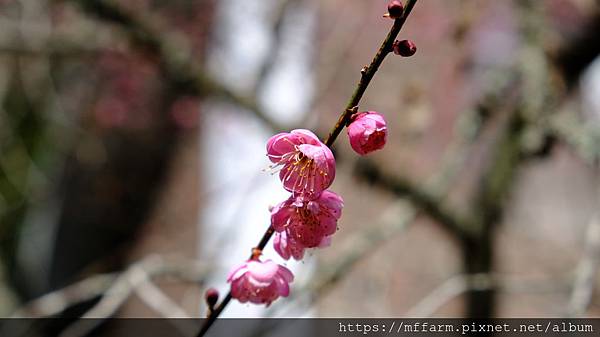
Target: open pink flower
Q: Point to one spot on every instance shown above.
(259, 282)
(308, 222)
(287, 247)
(367, 132)
(307, 165)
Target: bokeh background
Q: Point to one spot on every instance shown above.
(132, 155)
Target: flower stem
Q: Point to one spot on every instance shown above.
(367, 75)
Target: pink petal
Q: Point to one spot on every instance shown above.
(274, 139)
(332, 202)
(280, 245)
(286, 274)
(307, 136)
(262, 272)
(283, 288)
(326, 242)
(280, 216)
(237, 272)
(328, 226)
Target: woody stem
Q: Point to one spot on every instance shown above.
(367, 75)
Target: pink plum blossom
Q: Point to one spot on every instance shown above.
(307, 223)
(367, 132)
(259, 282)
(307, 166)
(287, 247)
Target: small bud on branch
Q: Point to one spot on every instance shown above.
(211, 296)
(395, 10)
(307, 168)
(405, 48)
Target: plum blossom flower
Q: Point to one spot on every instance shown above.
(367, 132)
(307, 166)
(307, 223)
(259, 282)
(287, 247)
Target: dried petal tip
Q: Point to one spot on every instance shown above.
(212, 297)
(405, 48)
(395, 9)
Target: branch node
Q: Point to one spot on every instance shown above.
(256, 253)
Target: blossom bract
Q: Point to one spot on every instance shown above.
(367, 132)
(307, 222)
(259, 282)
(307, 166)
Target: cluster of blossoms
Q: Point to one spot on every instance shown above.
(308, 218)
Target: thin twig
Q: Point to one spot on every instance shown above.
(57, 301)
(153, 266)
(430, 204)
(450, 289)
(368, 73)
(156, 299)
(367, 76)
(137, 275)
(460, 284)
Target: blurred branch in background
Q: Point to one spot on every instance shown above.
(421, 199)
(587, 271)
(176, 61)
(115, 288)
(525, 110)
(460, 284)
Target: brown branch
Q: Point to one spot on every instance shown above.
(430, 204)
(459, 284)
(528, 105)
(488, 210)
(367, 76)
(368, 73)
(153, 266)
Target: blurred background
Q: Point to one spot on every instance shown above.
(132, 155)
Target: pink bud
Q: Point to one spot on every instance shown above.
(367, 132)
(211, 296)
(395, 9)
(405, 48)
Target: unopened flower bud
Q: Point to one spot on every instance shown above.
(212, 297)
(405, 48)
(395, 9)
(367, 132)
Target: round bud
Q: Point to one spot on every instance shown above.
(367, 132)
(405, 48)
(212, 297)
(395, 9)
